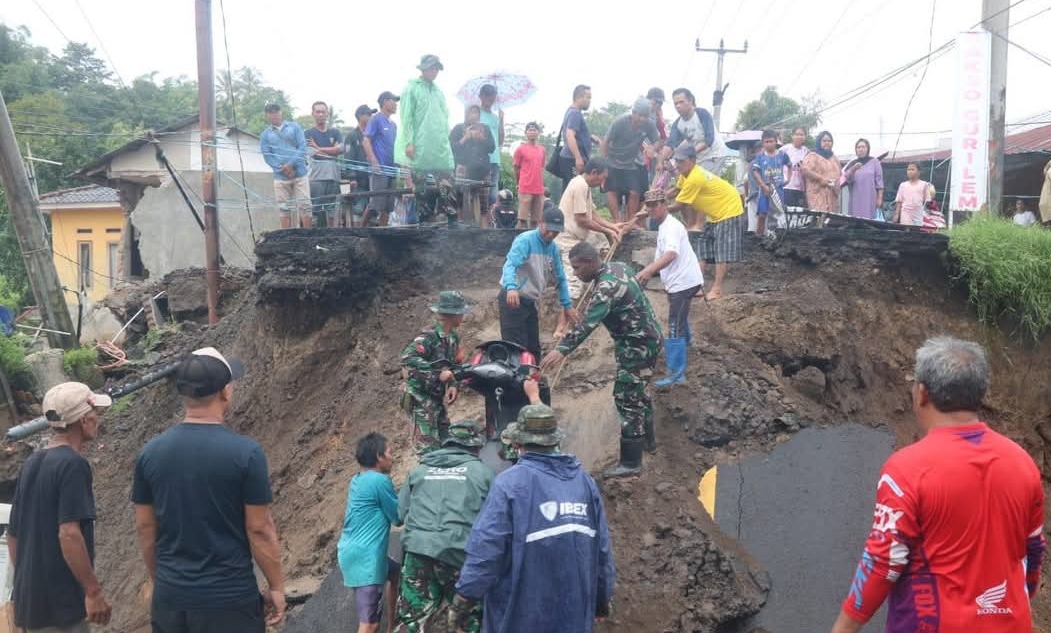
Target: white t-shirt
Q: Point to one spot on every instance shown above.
(683, 272)
(1025, 218)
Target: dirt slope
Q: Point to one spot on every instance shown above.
(817, 331)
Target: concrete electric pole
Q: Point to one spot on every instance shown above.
(995, 20)
(29, 227)
(209, 186)
(720, 87)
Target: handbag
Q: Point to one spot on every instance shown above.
(554, 165)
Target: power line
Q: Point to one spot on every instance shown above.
(102, 45)
(923, 75)
(828, 36)
(233, 115)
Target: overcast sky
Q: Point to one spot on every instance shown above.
(346, 53)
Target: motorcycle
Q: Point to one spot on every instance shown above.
(497, 370)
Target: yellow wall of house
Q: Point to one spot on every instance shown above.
(97, 227)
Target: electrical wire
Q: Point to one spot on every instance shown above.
(233, 115)
(923, 76)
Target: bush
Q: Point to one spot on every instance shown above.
(81, 365)
(1007, 271)
(13, 363)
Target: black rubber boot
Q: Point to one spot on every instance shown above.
(649, 442)
(630, 458)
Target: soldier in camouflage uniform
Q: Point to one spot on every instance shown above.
(430, 388)
(438, 504)
(529, 412)
(619, 303)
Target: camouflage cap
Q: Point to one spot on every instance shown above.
(654, 195)
(450, 302)
(537, 424)
(464, 433)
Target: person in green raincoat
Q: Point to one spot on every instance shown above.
(423, 138)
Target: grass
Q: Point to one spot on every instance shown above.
(13, 362)
(1007, 271)
(121, 405)
(81, 365)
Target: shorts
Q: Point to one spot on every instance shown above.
(246, 619)
(384, 203)
(324, 195)
(370, 597)
(765, 205)
(623, 181)
(721, 242)
(292, 193)
(530, 205)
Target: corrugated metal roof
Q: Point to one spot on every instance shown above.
(88, 194)
(1028, 138)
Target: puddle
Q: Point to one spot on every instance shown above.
(803, 511)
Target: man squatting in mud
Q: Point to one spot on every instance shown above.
(619, 303)
(430, 388)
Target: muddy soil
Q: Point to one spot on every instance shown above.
(818, 330)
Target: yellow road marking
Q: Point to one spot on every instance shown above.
(706, 490)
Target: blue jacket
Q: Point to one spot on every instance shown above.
(286, 144)
(539, 553)
(528, 264)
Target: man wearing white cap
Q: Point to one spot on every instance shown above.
(51, 537)
(202, 511)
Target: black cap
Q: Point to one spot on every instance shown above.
(387, 94)
(656, 94)
(206, 372)
(553, 218)
(363, 110)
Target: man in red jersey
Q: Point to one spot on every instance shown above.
(958, 535)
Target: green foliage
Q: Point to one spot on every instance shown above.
(771, 110)
(250, 94)
(13, 362)
(81, 364)
(599, 121)
(121, 405)
(507, 173)
(1007, 271)
(11, 296)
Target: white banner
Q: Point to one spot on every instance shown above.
(970, 130)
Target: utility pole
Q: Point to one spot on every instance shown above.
(209, 188)
(29, 227)
(995, 20)
(720, 87)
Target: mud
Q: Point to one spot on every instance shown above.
(816, 331)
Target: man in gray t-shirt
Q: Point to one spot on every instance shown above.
(324, 145)
(621, 146)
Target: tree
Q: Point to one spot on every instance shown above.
(773, 111)
(250, 95)
(599, 121)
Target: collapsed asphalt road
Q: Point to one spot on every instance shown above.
(803, 511)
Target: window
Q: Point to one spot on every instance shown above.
(113, 254)
(84, 265)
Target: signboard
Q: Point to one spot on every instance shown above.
(970, 130)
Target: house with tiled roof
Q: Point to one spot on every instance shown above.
(87, 224)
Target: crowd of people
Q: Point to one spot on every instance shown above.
(957, 540)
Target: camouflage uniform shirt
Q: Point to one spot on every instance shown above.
(619, 303)
(430, 345)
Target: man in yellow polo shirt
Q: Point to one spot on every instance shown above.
(721, 218)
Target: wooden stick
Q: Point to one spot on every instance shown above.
(584, 296)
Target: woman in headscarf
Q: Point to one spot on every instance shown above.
(471, 144)
(864, 178)
(821, 172)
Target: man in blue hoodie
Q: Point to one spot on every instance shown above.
(284, 148)
(532, 257)
(539, 554)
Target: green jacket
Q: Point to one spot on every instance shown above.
(424, 118)
(439, 502)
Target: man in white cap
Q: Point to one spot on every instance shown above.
(202, 511)
(51, 537)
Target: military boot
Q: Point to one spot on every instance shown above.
(630, 458)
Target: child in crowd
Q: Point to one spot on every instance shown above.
(372, 506)
(913, 196)
(768, 174)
